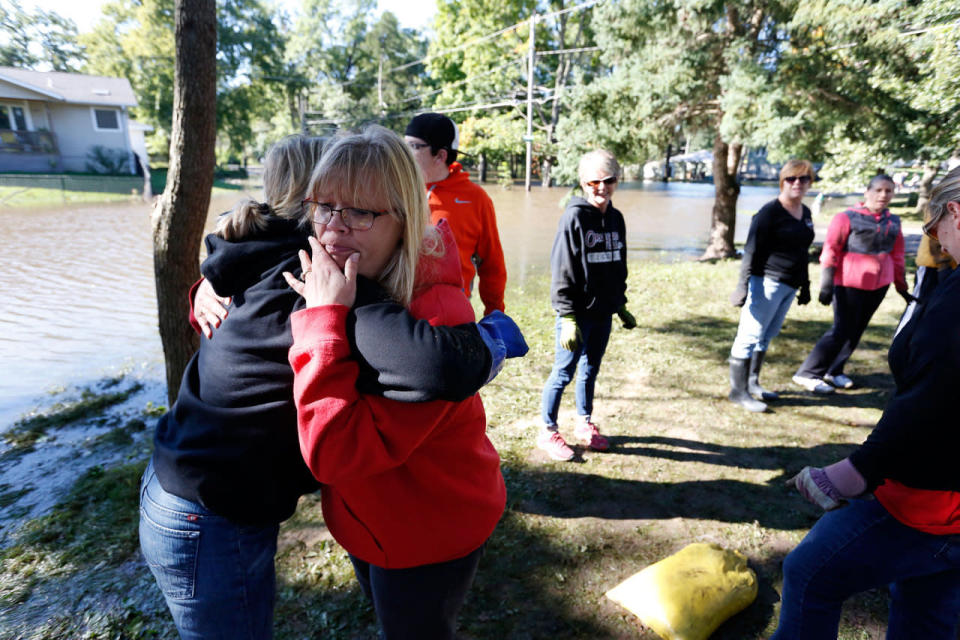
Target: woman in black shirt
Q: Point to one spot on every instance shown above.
(774, 269)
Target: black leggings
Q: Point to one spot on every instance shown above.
(852, 310)
(420, 602)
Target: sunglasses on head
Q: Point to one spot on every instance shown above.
(612, 180)
(802, 179)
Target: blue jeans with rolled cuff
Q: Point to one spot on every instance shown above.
(419, 602)
(859, 547)
(217, 576)
(585, 360)
(762, 316)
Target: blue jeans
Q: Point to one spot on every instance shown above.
(419, 602)
(217, 576)
(595, 333)
(859, 547)
(767, 304)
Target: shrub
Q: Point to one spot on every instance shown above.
(101, 159)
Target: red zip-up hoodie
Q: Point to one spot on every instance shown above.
(404, 484)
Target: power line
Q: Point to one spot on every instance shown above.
(462, 82)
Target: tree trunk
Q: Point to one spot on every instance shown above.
(726, 161)
(180, 214)
(482, 168)
(546, 166)
(930, 170)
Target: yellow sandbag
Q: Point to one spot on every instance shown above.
(688, 595)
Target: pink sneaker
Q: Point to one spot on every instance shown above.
(587, 433)
(555, 446)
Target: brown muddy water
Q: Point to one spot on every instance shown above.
(77, 300)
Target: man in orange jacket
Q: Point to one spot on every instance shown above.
(434, 139)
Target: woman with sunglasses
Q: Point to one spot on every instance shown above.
(773, 270)
(589, 282)
(862, 254)
(412, 491)
(908, 536)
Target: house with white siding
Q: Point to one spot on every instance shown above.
(50, 121)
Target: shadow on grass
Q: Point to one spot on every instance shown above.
(565, 495)
(771, 458)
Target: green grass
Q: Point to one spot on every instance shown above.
(685, 466)
(34, 197)
(91, 404)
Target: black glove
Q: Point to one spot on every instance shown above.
(826, 285)
(803, 296)
(739, 296)
(906, 296)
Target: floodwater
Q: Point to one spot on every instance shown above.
(77, 299)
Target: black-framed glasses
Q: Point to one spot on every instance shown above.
(802, 179)
(353, 218)
(416, 146)
(610, 181)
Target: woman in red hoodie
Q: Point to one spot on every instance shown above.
(411, 491)
(862, 255)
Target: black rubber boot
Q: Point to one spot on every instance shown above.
(753, 380)
(739, 369)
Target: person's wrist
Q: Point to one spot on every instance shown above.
(845, 478)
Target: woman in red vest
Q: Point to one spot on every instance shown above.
(862, 255)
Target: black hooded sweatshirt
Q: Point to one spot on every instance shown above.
(230, 440)
(589, 260)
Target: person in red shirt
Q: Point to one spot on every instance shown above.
(908, 536)
(435, 142)
(862, 255)
(411, 491)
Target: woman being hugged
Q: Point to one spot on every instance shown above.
(862, 255)
(908, 537)
(773, 270)
(411, 491)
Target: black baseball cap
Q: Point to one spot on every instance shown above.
(437, 130)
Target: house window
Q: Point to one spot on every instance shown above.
(13, 117)
(106, 120)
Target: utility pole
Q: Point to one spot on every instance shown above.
(380, 86)
(529, 137)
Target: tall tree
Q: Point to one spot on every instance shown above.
(182, 209)
(690, 66)
(42, 40)
(135, 40)
(478, 60)
(355, 60)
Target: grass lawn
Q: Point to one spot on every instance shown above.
(33, 197)
(685, 466)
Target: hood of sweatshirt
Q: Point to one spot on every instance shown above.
(232, 266)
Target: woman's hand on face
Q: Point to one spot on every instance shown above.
(209, 309)
(323, 282)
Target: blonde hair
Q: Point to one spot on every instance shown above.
(286, 175)
(374, 167)
(598, 157)
(947, 190)
(797, 168)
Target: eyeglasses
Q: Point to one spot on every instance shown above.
(930, 228)
(612, 180)
(802, 179)
(416, 146)
(353, 218)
